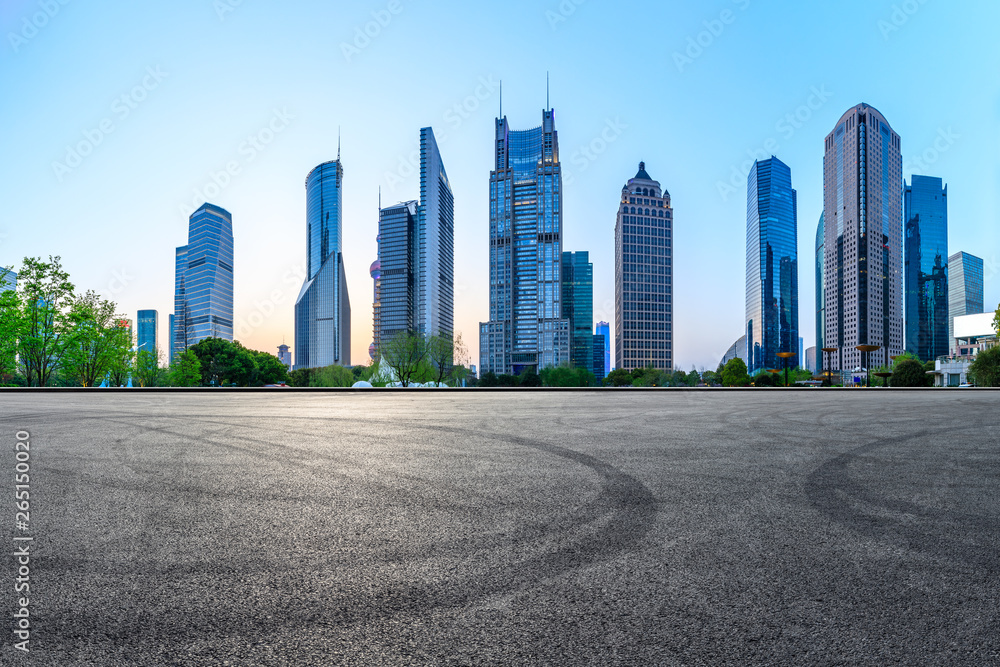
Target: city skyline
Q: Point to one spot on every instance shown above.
(702, 148)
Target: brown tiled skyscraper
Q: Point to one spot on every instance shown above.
(644, 322)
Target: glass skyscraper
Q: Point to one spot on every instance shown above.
(644, 321)
(415, 269)
(604, 329)
(323, 307)
(925, 267)
(965, 290)
(435, 238)
(203, 287)
(147, 321)
(863, 220)
(526, 329)
(398, 257)
(9, 282)
(772, 284)
(820, 293)
(578, 306)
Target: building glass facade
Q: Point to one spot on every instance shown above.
(323, 307)
(644, 276)
(598, 343)
(772, 286)
(398, 257)
(9, 282)
(863, 216)
(578, 306)
(965, 290)
(604, 329)
(203, 280)
(820, 293)
(925, 267)
(526, 329)
(435, 238)
(147, 322)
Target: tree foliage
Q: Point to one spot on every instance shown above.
(734, 374)
(95, 341)
(909, 372)
(489, 379)
(618, 378)
(985, 370)
(565, 376)
(45, 294)
(405, 353)
(147, 368)
(186, 370)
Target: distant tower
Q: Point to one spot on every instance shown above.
(147, 321)
(375, 270)
(965, 290)
(323, 307)
(203, 288)
(578, 306)
(285, 356)
(820, 293)
(644, 276)
(604, 329)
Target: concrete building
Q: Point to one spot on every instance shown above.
(973, 334)
(965, 290)
(323, 306)
(285, 356)
(809, 363)
(526, 329)
(644, 322)
(203, 284)
(863, 257)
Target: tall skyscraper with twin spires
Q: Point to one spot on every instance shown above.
(526, 329)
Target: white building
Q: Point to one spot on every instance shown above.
(973, 333)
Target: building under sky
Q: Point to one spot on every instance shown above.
(147, 321)
(925, 267)
(578, 306)
(526, 329)
(323, 307)
(820, 293)
(203, 280)
(772, 283)
(644, 275)
(965, 290)
(435, 238)
(863, 212)
(604, 329)
(398, 261)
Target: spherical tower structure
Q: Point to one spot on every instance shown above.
(375, 270)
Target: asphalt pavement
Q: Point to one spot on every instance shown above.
(423, 527)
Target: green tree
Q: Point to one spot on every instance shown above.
(985, 370)
(710, 378)
(147, 368)
(692, 378)
(530, 378)
(11, 324)
(734, 374)
(186, 370)
(765, 379)
(618, 378)
(909, 372)
(268, 369)
(93, 341)
(406, 353)
(332, 376)
(46, 293)
(489, 379)
(442, 354)
(507, 380)
(301, 377)
(122, 355)
(996, 321)
(224, 362)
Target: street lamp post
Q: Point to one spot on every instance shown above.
(785, 356)
(867, 350)
(829, 351)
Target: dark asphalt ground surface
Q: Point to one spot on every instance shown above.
(475, 528)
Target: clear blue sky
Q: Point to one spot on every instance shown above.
(198, 80)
